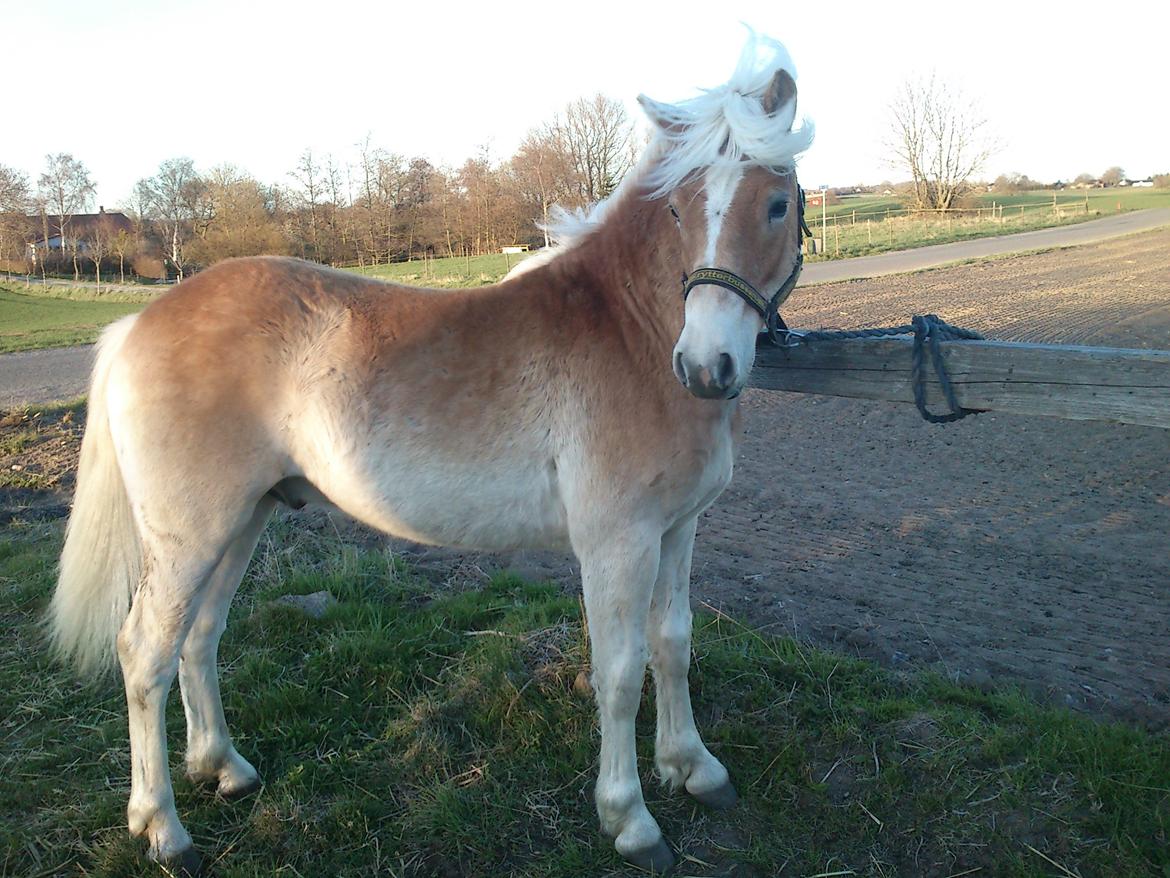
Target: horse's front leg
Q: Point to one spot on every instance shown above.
(618, 573)
(680, 755)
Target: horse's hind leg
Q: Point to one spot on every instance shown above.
(680, 755)
(148, 649)
(211, 757)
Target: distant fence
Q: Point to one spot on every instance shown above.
(87, 280)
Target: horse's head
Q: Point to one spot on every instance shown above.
(726, 174)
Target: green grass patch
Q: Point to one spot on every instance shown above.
(58, 316)
(448, 272)
(410, 732)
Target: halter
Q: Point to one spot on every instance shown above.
(769, 309)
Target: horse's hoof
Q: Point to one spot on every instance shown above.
(188, 864)
(245, 789)
(721, 798)
(656, 859)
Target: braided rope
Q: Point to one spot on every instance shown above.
(929, 331)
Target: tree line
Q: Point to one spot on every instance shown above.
(370, 207)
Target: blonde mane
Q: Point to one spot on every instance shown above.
(721, 126)
(728, 124)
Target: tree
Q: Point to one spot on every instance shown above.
(176, 198)
(595, 134)
(1162, 181)
(242, 222)
(97, 247)
(66, 189)
(1113, 176)
(1084, 180)
(543, 173)
(121, 245)
(14, 205)
(311, 187)
(1015, 182)
(940, 137)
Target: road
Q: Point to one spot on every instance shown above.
(902, 261)
(42, 376)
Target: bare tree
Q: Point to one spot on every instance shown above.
(176, 198)
(97, 247)
(14, 205)
(121, 245)
(543, 173)
(940, 137)
(311, 184)
(1113, 176)
(595, 134)
(67, 189)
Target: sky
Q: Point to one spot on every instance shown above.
(125, 84)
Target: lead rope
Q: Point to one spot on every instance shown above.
(929, 331)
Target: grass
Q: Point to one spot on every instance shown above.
(58, 316)
(447, 272)
(412, 732)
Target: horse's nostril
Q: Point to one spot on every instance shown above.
(725, 371)
(680, 369)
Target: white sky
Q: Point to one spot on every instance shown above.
(125, 84)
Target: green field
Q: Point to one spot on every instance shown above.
(58, 316)
(415, 732)
(448, 272)
(1101, 201)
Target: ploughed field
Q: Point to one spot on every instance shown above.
(998, 550)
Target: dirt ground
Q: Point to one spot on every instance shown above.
(1001, 549)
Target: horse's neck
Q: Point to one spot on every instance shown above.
(635, 260)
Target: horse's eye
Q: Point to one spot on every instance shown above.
(777, 209)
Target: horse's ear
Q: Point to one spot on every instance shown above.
(781, 90)
(658, 113)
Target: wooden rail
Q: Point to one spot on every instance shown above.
(1062, 381)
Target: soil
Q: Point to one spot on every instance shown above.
(997, 550)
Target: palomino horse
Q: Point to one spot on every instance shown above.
(539, 412)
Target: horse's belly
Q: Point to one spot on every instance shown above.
(486, 504)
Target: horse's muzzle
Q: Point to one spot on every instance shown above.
(718, 381)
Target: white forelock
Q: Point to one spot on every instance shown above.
(722, 126)
(728, 124)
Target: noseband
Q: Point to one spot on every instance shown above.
(769, 309)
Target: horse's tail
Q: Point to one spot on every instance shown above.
(101, 562)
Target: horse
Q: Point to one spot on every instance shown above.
(585, 405)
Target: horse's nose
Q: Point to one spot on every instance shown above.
(707, 381)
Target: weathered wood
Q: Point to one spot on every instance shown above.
(1062, 381)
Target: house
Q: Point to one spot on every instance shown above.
(75, 231)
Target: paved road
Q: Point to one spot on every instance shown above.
(34, 377)
(62, 373)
